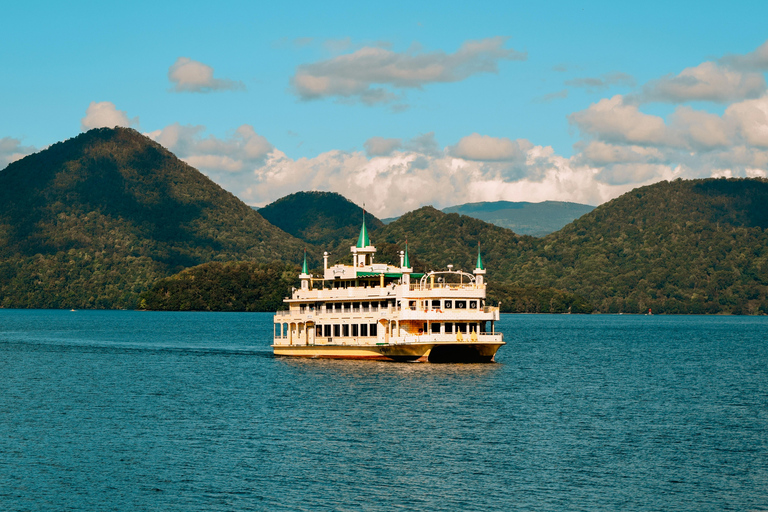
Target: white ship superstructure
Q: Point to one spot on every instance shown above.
(370, 310)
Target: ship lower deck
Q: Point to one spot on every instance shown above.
(440, 352)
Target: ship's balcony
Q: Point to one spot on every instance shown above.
(360, 292)
(448, 315)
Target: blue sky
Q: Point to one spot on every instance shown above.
(401, 104)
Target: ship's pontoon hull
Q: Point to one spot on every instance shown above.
(443, 352)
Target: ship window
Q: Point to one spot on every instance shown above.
(337, 330)
(355, 330)
(436, 304)
(449, 327)
(303, 308)
(461, 304)
(461, 328)
(347, 307)
(448, 304)
(365, 306)
(327, 331)
(436, 328)
(412, 304)
(372, 330)
(364, 330)
(355, 306)
(345, 330)
(473, 304)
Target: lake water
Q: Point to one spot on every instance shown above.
(122, 410)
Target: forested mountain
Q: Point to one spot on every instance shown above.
(524, 218)
(92, 221)
(320, 218)
(697, 246)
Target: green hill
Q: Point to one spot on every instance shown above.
(534, 219)
(215, 286)
(697, 246)
(92, 221)
(320, 218)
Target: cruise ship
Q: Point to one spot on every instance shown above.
(370, 310)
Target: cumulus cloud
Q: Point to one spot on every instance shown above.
(594, 84)
(379, 146)
(750, 119)
(755, 61)
(483, 147)
(104, 114)
(705, 82)
(12, 150)
(189, 75)
(614, 120)
(368, 74)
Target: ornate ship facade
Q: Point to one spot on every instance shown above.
(371, 310)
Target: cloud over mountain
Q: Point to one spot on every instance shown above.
(104, 114)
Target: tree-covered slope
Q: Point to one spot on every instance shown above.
(695, 246)
(92, 221)
(320, 218)
(215, 286)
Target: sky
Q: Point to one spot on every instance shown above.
(401, 104)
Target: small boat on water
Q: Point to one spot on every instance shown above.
(370, 310)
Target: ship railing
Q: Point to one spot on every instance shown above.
(445, 286)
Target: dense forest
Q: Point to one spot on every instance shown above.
(215, 286)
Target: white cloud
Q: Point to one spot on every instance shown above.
(104, 114)
(379, 146)
(705, 82)
(750, 119)
(12, 150)
(699, 130)
(756, 60)
(483, 147)
(355, 76)
(189, 75)
(613, 120)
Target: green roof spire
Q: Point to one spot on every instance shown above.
(479, 259)
(363, 240)
(304, 269)
(406, 261)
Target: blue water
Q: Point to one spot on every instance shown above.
(190, 411)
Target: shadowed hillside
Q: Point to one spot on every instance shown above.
(92, 221)
(320, 218)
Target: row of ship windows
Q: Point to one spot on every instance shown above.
(347, 307)
(337, 330)
(362, 330)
